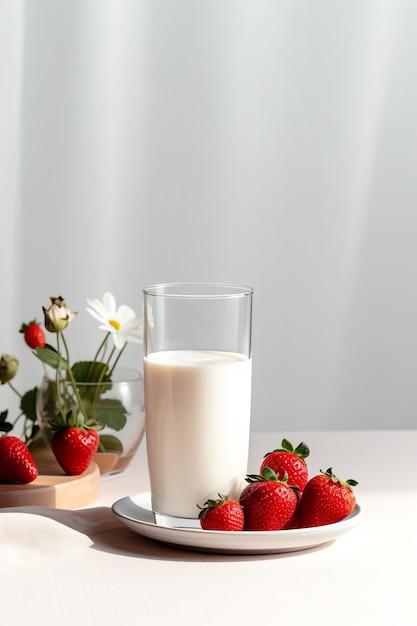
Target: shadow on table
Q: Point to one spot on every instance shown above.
(108, 534)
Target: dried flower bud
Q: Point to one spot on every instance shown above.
(8, 368)
(58, 316)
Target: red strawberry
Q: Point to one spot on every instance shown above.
(290, 461)
(33, 334)
(326, 499)
(268, 502)
(222, 514)
(16, 462)
(74, 448)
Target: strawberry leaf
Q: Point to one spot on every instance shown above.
(51, 357)
(28, 404)
(5, 427)
(28, 408)
(90, 372)
(111, 413)
(109, 443)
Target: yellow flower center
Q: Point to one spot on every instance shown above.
(115, 324)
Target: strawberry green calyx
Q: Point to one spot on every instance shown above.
(349, 483)
(211, 504)
(24, 326)
(302, 450)
(268, 475)
(73, 419)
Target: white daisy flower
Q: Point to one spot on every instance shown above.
(121, 322)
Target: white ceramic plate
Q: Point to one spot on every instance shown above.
(136, 513)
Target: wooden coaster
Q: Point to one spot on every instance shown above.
(53, 487)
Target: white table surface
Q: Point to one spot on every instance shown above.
(368, 576)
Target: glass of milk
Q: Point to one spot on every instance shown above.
(198, 372)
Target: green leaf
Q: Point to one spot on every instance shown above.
(109, 443)
(51, 357)
(111, 413)
(28, 404)
(86, 374)
(90, 372)
(5, 427)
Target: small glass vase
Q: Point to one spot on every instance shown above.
(118, 406)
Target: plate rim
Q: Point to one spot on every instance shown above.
(254, 542)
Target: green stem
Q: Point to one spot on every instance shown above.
(108, 368)
(74, 382)
(100, 348)
(17, 419)
(104, 370)
(13, 388)
(117, 359)
(58, 377)
(99, 391)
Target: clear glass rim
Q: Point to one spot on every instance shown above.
(196, 290)
(120, 375)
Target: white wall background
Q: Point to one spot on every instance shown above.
(267, 142)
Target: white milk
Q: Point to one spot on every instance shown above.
(197, 427)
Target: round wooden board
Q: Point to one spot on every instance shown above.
(53, 488)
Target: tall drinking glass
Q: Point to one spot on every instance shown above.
(198, 373)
